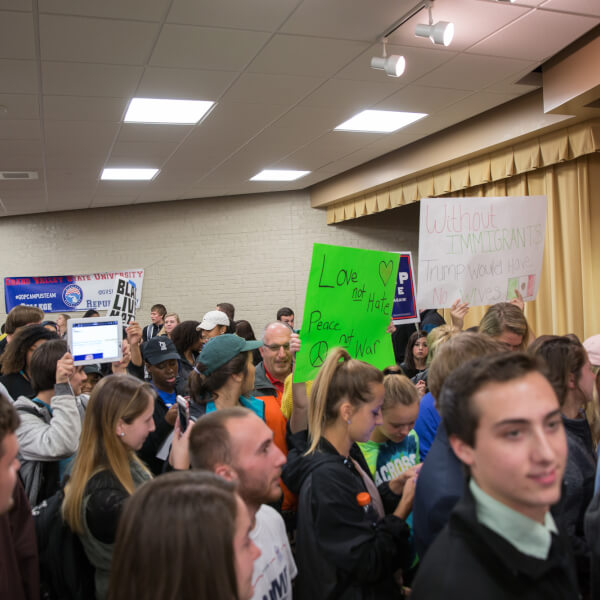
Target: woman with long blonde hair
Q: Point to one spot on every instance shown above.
(106, 470)
(347, 547)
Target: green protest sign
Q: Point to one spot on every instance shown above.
(348, 303)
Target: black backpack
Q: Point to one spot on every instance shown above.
(50, 479)
(65, 571)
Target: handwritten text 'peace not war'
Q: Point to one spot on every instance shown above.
(348, 278)
(476, 231)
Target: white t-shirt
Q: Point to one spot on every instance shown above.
(275, 568)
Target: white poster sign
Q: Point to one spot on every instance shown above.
(123, 300)
(480, 249)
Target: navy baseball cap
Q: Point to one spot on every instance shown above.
(158, 349)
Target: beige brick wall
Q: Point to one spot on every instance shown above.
(253, 251)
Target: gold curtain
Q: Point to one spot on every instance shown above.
(568, 299)
(536, 153)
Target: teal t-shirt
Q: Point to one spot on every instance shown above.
(388, 459)
(254, 404)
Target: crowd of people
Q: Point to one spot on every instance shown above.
(195, 467)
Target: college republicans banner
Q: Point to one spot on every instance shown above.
(68, 293)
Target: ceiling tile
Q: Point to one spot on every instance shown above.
(230, 126)
(260, 15)
(584, 7)
(32, 186)
(256, 87)
(133, 154)
(22, 162)
(362, 20)
(310, 118)
(120, 200)
(326, 149)
(79, 138)
(20, 149)
(473, 72)
(100, 200)
(79, 79)
(16, 33)
(142, 132)
(476, 104)
(300, 55)
(184, 83)
(510, 85)
(236, 169)
(23, 5)
(350, 96)
(71, 200)
(275, 143)
(536, 36)
(419, 61)
(20, 106)
(18, 77)
(68, 159)
(140, 10)
(473, 21)
(96, 40)
(20, 129)
(80, 108)
(203, 48)
(17, 204)
(419, 98)
(72, 178)
(171, 179)
(121, 188)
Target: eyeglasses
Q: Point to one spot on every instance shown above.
(276, 347)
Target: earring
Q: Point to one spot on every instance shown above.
(349, 421)
(122, 434)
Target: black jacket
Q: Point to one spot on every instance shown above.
(158, 437)
(341, 550)
(440, 486)
(468, 561)
(578, 491)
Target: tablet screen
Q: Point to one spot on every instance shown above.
(95, 340)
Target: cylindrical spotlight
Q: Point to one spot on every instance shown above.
(393, 65)
(441, 32)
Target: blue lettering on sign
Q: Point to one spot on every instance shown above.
(97, 355)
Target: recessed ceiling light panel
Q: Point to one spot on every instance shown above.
(279, 175)
(154, 110)
(379, 121)
(128, 174)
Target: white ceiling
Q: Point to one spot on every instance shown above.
(284, 73)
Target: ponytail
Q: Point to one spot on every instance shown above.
(341, 378)
(203, 388)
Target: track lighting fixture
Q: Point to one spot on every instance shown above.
(393, 65)
(441, 32)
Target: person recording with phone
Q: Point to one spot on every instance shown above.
(50, 422)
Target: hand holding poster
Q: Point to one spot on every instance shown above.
(480, 249)
(123, 301)
(348, 303)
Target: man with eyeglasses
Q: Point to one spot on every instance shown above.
(276, 364)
